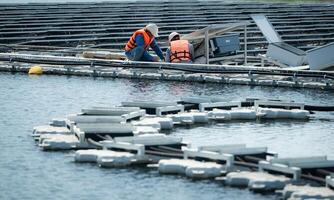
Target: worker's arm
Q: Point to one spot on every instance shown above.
(168, 55)
(157, 50)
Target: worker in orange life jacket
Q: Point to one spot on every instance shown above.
(137, 47)
(179, 51)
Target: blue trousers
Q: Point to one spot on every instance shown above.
(139, 54)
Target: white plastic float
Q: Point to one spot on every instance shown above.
(257, 181)
(110, 158)
(189, 118)
(46, 129)
(197, 169)
(199, 117)
(234, 114)
(166, 123)
(297, 112)
(60, 142)
(263, 113)
(277, 113)
(201, 170)
(119, 159)
(174, 166)
(152, 76)
(182, 118)
(107, 158)
(147, 122)
(190, 168)
(90, 155)
(145, 132)
(294, 192)
(139, 130)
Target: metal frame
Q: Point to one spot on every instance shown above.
(203, 106)
(134, 115)
(240, 150)
(228, 158)
(305, 162)
(215, 30)
(263, 58)
(160, 110)
(267, 166)
(278, 103)
(70, 26)
(124, 146)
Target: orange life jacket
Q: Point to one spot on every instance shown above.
(179, 51)
(132, 42)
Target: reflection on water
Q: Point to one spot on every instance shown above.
(28, 173)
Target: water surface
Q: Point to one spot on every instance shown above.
(28, 173)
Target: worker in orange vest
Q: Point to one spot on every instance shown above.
(179, 51)
(137, 47)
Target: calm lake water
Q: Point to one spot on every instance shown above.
(28, 173)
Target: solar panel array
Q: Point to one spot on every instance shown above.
(108, 25)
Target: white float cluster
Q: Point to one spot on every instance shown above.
(126, 135)
(191, 168)
(256, 180)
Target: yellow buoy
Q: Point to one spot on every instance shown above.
(35, 70)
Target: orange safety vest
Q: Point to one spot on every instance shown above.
(132, 42)
(179, 51)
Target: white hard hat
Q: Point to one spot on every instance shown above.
(172, 35)
(153, 28)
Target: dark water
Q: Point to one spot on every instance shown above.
(28, 173)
